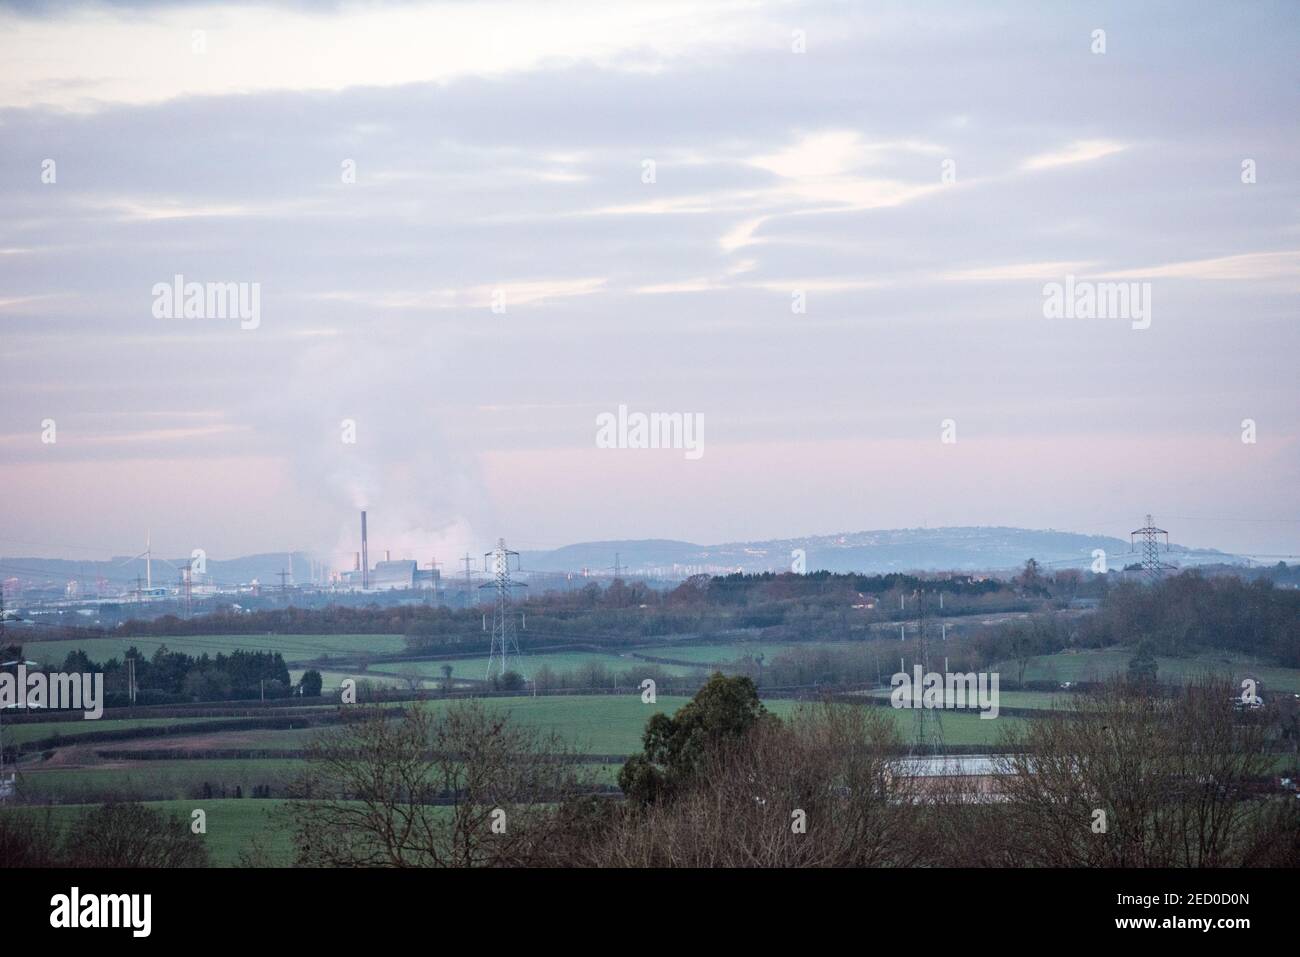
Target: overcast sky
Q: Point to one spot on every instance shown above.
(501, 149)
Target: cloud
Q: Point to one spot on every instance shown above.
(1017, 271)
(89, 57)
(1080, 151)
(518, 167)
(1284, 264)
(516, 293)
(834, 153)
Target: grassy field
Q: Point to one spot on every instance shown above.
(253, 739)
(1038, 700)
(959, 729)
(330, 680)
(153, 780)
(612, 724)
(600, 724)
(16, 734)
(559, 661)
(292, 647)
(592, 724)
(718, 654)
(1097, 665)
(233, 826)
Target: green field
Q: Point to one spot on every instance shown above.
(330, 680)
(293, 647)
(558, 661)
(15, 734)
(593, 724)
(717, 654)
(254, 739)
(153, 780)
(233, 826)
(1098, 665)
(959, 729)
(1038, 700)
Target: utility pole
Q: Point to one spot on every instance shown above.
(1151, 564)
(618, 568)
(284, 588)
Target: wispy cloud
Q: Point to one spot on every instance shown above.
(85, 58)
(1284, 264)
(1080, 151)
(512, 293)
(1016, 271)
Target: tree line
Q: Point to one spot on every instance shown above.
(169, 677)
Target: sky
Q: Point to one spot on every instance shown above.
(823, 231)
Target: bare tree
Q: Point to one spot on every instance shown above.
(28, 839)
(462, 786)
(132, 835)
(1126, 778)
(820, 789)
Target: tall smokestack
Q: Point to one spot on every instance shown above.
(388, 555)
(365, 553)
(356, 562)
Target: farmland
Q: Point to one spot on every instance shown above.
(239, 761)
(298, 648)
(234, 827)
(1098, 665)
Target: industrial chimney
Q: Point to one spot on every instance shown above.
(365, 553)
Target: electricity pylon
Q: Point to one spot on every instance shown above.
(504, 640)
(1151, 563)
(928, 738)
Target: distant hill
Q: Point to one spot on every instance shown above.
(965, 548)
(123, 572)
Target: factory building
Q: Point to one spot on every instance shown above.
(401, 575)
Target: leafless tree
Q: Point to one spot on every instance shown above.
(1127, 778)
(820, 789)
(462, 786)
(132, 835)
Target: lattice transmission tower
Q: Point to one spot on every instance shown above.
(504, 639)
(1152, 566)
(928, 731)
